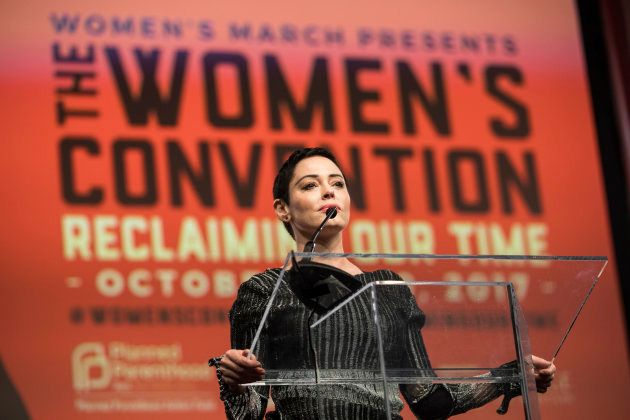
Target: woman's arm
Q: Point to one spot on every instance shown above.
(238, 365)
(439, 401)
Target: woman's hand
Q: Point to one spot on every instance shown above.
(544, 371)
(240, 367)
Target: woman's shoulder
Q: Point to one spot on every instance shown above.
(263, 281)
(381, 274)
(269, 275)
(256, 290)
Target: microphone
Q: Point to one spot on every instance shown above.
(331, 213)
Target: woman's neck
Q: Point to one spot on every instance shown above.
(333, 245)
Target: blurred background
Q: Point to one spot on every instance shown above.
(141, 140)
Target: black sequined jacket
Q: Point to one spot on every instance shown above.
(351, 401)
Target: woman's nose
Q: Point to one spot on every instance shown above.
(328, 193)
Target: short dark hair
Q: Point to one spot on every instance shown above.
(285, 173)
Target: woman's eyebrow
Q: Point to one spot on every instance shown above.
(317, 176)
(305, 176)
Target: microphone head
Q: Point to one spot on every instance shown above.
(331, 213)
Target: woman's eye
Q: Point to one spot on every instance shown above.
(339, 184)
(308, 186)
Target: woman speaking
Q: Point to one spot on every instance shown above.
(308, 185)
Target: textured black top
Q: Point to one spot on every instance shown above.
(348, 401)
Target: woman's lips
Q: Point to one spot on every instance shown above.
(325, 208)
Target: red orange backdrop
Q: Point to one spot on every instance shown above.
(140, 144)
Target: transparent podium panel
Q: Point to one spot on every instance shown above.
(413, 326)
(381, 338)
(382, 325)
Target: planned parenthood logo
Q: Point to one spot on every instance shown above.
(90, 367)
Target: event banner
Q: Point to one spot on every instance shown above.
(140, 143)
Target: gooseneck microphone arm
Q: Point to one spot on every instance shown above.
(331, 213)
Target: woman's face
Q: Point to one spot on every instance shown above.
(317, 184)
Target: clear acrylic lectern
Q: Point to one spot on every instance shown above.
(417, 320)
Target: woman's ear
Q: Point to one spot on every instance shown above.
(282, 210)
